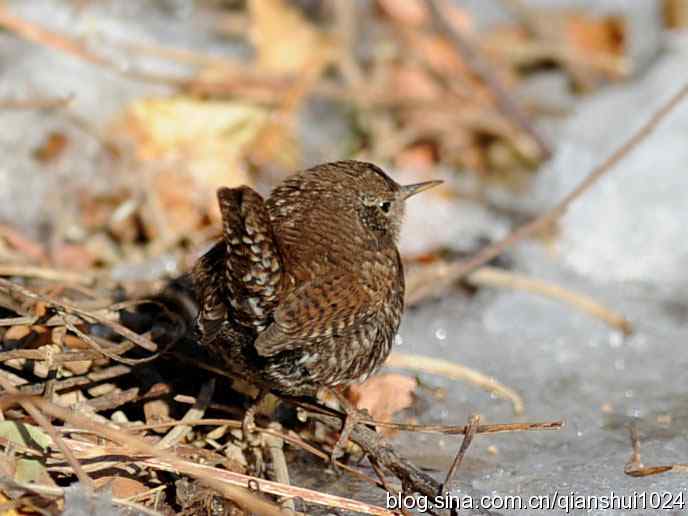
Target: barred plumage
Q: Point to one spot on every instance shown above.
(306, 289)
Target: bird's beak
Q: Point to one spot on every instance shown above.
(409, 190)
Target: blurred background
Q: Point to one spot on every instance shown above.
(121, 119)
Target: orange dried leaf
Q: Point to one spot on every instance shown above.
(384, 395)
(121, 487)
(595, 35)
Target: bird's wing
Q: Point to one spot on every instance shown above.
(253, 267)
(322, 307)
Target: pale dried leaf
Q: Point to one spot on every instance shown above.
(384, 395)
(284, 40)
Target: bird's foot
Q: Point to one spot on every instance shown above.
(352, 417)
(248, 423)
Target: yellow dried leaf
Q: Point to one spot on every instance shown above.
(121, 487)
(283, 38)
(206, 141)
(183, 125)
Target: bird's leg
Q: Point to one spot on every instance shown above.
(352, 417)
(248, 424)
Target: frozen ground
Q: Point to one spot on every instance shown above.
(625, 243)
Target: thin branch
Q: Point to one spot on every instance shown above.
(440, 429)
(55, 491)
(290, 437)
(65, 356)
(381, 475)
(275, 445)
(479, 66)
(374, 445)
(462, 269)
(635, 467)
(41, 36)
(471, 429)
(493, 276)
(67, 308)
(37, 103)
(28, 405)
(225, 482)
(178, 432)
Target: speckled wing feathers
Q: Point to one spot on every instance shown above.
(325, 306)
(210, 293)
(253, 268)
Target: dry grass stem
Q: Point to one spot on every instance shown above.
(543, 221)
(458, 372)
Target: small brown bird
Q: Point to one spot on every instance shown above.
(306, 289)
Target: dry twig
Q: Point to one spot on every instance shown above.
(54, 491)
(178, 432)
(456, 372)
(471, 429)
(462, 269)
(481, 69)
(432, 277)
(37, 103)
(635, 467)
(223, 481)
(69, 309)
(28, 405)
(275, 445)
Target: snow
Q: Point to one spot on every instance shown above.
(625, 243)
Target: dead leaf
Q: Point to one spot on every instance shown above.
(27, 337)
(676, 14)
(595, 35)
(384, 395)
(287, 44)
(204, 140)
(283, 38)
(157, 411)
(8, 512)
(78, 367)
(28, 470)
(121, 487)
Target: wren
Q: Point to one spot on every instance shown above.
(306, 289)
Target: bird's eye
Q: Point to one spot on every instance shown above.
(385, 206)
